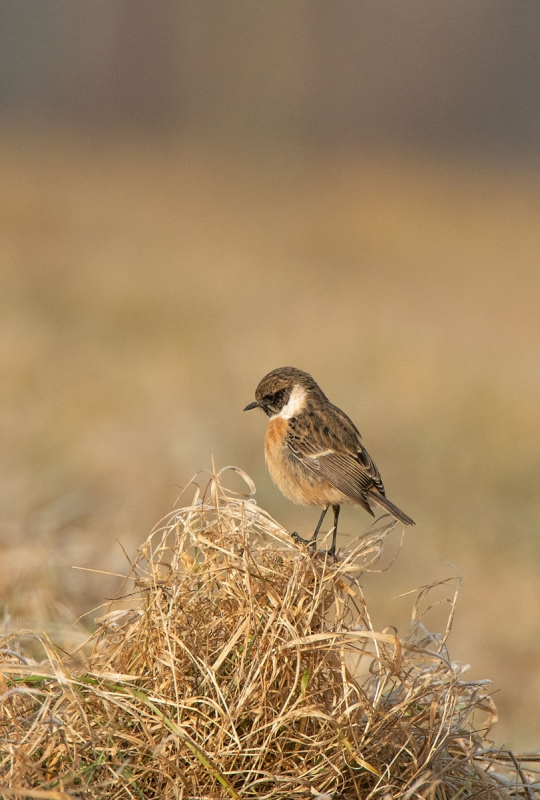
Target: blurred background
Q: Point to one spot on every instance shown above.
(194, 193)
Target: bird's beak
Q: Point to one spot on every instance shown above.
(251, 405)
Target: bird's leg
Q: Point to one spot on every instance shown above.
(313, 539)
(332, 551)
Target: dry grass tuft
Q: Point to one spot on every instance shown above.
(246, 668)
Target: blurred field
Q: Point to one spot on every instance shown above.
(146, 287)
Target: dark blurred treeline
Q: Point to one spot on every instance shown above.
(295, 72)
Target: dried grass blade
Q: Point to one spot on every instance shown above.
(188, 741)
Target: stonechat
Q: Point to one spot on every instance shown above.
(314, 452)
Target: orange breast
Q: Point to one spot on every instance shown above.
(275, 449)
(296, 482)
(276, 433)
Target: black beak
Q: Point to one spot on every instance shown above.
(251, 405)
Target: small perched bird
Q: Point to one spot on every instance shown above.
(314, 452)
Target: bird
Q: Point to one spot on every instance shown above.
(314, 452)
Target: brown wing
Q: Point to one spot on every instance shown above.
(328, 443)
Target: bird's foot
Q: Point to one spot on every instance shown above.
(330, 553)
(301, 540)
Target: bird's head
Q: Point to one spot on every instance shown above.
(283, 392)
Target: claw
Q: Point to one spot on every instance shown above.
(300, 540)
(331, 553)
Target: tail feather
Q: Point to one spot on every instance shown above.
(385, 503)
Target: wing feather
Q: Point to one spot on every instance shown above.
(327, 444)
(352, 473)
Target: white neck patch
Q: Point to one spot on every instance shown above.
(295, 404)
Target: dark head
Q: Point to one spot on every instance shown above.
(283, 390)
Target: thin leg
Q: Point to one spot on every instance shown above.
(332, 551)
(313, 539)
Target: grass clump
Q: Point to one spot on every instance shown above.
(238, 665)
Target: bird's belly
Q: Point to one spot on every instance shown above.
(298, 483)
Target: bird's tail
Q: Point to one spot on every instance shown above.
(385, 503)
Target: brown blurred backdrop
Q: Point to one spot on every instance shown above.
(193, 193)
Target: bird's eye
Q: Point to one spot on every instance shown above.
(269, 399)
